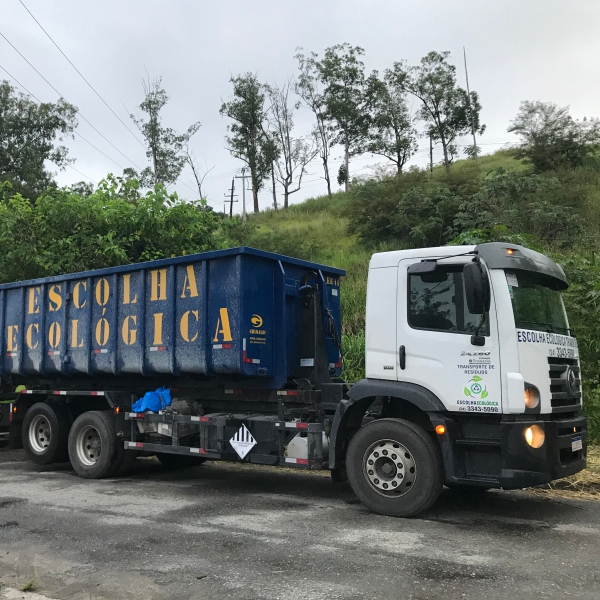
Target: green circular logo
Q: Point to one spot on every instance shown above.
(475, 388)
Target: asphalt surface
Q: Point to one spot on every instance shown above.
(222, 531)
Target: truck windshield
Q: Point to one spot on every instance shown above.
(535, 305)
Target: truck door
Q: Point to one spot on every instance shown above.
(434, 339)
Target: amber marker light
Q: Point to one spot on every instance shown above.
(117, 410)
(510, 251)
(440, 429)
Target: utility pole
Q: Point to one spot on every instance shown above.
(470, 109)
(243, 177)
(231, 201)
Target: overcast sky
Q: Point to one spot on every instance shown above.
(527, 49)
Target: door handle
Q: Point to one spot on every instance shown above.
(402, 353)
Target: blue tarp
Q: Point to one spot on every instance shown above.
(154, 401)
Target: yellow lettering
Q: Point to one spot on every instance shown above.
(223, 327)
(54, 334)
(102, 292)
(29, 336)
(158, 284)
(55, 298)
(34, 295)
(75, 342)
(102, 331)
(184, 325)
(158, 320)
(129, 334)
(76, 294)
(189, 282)
(127, 290)
(11, 343)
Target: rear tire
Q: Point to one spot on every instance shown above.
(45, 433)
(123, 460)
(93, 445)
(179, 461)
(395, 468)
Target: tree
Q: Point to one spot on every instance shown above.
(165, 147)
(294, 153)
(343, 74)
(308, 88)
(248, 139)
(28, 132)
(447, 108)
(551, 138)
(198, 172)
(391, 134)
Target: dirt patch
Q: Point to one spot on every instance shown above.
(584, 485)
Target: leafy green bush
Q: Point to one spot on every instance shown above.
(65, 232)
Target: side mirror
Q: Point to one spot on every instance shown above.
(477, 288)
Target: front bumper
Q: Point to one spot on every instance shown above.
(494, 453)
(524, 466)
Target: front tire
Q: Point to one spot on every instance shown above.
(45, 433)
(93, 445)
(395, 468)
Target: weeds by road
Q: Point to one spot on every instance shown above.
(583, 486)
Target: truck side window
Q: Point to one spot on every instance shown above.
(436, 301)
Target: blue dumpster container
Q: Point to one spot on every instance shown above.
(230, 314)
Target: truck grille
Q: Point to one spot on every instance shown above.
(565, 384)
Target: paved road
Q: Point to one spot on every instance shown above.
(228, 532)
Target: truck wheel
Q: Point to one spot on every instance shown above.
(45, 433)
(179, 461)
(93, 444)
(394, 467)
(123, 460)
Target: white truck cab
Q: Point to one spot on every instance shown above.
(472, 343)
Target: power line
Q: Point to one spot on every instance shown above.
(86, 176)
(62, 96)
(74, 132)
(81, 75)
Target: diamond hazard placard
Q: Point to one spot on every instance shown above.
(242, 441)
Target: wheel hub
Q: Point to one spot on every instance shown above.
(389, 468)
(89, 445)
(39, 434)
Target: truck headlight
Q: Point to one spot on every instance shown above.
(531, 397)
(534, 436)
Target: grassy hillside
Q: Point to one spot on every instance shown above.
(317, 230)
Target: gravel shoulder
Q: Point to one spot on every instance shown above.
(245, 532)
